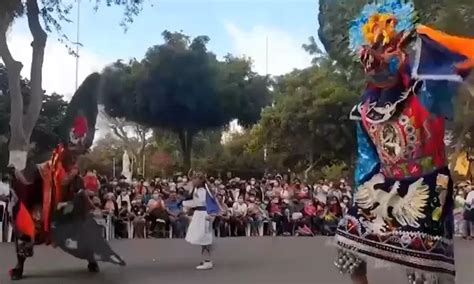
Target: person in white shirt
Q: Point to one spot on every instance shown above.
(239, 217)
(469, 214)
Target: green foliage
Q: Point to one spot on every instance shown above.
(182, 87)
(334, 171)
(101, 157)
(308, 126)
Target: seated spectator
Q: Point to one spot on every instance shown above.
(255, 215)
(309, 212)
(345, 204)
(124, 200)
(157, 210)
(317, 221)
(111, 206)
(275, 211)
(287, 195)
(139, 220)
(287, 221)
(97, 211)
(239, 217)
(222, 221)
(177, 218)
(469, 213)
(333, 214)
(91, 183)
(121, 223)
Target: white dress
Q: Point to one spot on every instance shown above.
(200, 229)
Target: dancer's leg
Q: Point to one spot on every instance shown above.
(359, 275)
(24, 249)
(349, 263)
(206, 258)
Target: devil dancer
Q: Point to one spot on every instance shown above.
(403, 206)
(49, 203)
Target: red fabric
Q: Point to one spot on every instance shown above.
(310, 210)
(80, 126)
(428, 139)
(24, 222)
(275, 208)
(46, 174)
(91, 182)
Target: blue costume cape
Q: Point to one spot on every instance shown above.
(212, 206)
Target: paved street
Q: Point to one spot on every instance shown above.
(243, 260)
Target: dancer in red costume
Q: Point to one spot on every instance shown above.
(50, 204)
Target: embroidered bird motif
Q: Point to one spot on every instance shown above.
(406, 210)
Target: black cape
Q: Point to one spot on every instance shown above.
(75, 231)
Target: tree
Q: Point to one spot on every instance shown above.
(23, 116)
(182, 87)
(135, 139)
(308, 125)
(46, 132)
(101, 157)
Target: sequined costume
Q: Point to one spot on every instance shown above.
(403, 205)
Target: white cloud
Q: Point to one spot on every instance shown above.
(59, 68)
(284, 50)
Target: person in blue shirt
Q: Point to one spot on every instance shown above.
(177, 218)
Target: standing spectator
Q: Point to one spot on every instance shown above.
(469, 214)
(177, 218)
(239, 217)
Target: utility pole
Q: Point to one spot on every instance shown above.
(266, 73)
(78, 24)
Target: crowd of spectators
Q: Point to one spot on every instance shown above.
(253, 207)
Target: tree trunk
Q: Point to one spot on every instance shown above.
(36, 76)
(18, 145)
(23, 122)
(186, 142)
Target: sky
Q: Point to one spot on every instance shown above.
(240, 27)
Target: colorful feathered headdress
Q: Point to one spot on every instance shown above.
(381, 21)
